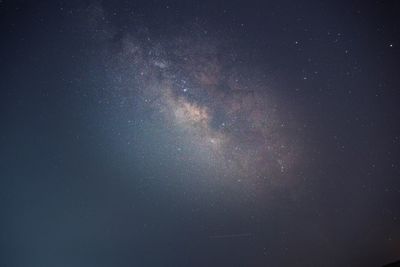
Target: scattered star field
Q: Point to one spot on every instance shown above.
(199, 133)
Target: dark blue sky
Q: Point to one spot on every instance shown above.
(199, 133)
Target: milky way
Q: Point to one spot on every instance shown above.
(216, 104)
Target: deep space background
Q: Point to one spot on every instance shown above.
(199, 133)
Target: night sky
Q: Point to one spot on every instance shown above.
(199, 133)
